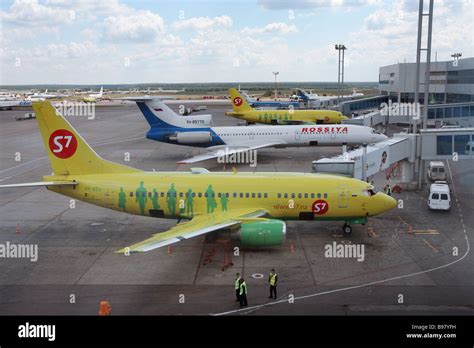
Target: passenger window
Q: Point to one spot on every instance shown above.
(149, 194)
(325, 195)
(181, 194)
(241, 195)
(234, 195)
(259, 195)
(292, 195)
(265, 195)
(200, 194)
(279, 195)
(319, 195)
(253, 195)
(305, 195)
(286, 195)
(227, 194)
(131, 194)
(219, 195)
(162, 194)
(247, 195)
(312, 195)
(299, 195)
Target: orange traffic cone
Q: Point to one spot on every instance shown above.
(104, 308)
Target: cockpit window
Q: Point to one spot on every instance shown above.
(375, 132)
(370, 191)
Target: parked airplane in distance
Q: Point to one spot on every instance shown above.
(94, 97)
(241, 109)
(273, 104)
(169, 127)
(255, 203)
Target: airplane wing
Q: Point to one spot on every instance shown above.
(198, 225)
(217, 151)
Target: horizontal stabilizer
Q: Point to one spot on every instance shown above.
(42, 183)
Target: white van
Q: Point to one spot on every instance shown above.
(436, 171)
(440, 197)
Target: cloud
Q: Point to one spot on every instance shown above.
(203, 23)
(307, 4)
(30, 13)
(272, 28)
(140, 26)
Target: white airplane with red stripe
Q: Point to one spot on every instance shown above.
(169, 127)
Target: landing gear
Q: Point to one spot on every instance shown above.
(346, 229)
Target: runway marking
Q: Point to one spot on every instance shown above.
(430, 245)
(425, 232)
(468, 249)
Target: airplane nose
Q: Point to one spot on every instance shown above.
(382, 203)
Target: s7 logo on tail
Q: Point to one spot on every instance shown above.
(62, 143)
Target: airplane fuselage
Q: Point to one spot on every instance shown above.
(279, 116)
(287, 136)
(182, 194)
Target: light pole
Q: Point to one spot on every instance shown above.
(276, 73)
(340, 68)
(456, 56)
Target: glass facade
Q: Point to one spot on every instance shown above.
(447, 111)
(448, 144)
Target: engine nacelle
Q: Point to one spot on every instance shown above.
(262, 233)
(192, 138)
(198, 121)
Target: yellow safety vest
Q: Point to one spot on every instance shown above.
(237, 283)
(273, 279)
(242, 287)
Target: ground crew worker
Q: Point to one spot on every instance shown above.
(242, 293)
(388, 190)
(237, 287)
(272, 280)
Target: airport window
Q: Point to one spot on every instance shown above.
(431, 114)
(439, 113)
(279, 195)
(472, 110)
(448, 112)
(265, 195)
(457, 112)
(460, 142)
(465, 111)
(444, 145)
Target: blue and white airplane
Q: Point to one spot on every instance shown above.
(169, 127)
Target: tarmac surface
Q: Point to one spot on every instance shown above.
(416, 261)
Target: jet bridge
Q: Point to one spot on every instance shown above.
(401, 153)
(368, 160)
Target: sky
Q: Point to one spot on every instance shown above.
(145, 41)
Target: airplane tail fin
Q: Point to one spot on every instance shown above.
(239, 103)
(158, 114)
(68, 152)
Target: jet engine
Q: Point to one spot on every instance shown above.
(262, 233)
(192, 138)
